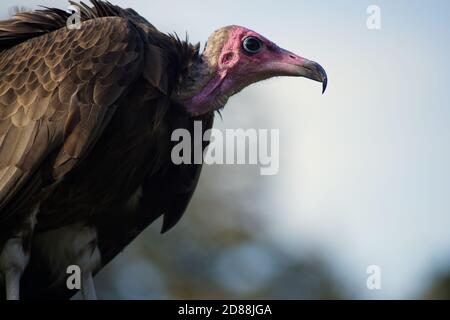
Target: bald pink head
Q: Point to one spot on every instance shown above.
(237, 57)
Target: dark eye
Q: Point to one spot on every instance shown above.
(252, 45)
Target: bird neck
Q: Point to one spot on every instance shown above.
(200, 89)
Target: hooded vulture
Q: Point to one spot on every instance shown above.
(86, 117)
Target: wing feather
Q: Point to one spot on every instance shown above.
(56, 93)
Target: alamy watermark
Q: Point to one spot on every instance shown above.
(235, 146)
(73, 281)
(74, 20)
(373, 21)
(374, 280)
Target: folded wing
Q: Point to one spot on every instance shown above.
(57, 93)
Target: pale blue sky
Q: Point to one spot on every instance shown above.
(364, 169)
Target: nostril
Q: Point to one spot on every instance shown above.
(293, 57)
(227, 58)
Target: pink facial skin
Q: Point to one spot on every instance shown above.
(237, 69)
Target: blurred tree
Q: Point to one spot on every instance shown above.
(439, 288)
(218, 251)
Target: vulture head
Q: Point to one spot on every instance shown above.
(234, 58)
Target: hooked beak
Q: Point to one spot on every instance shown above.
(314, 71)
(290, 64)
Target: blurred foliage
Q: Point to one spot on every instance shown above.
(439, 288)
(217, 251)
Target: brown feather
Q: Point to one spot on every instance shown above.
(96, 108)
(23, 108)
